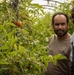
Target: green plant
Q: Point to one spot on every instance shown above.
(23, 50)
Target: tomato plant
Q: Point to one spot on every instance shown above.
(23, 50)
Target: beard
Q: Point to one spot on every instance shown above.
(60, 32)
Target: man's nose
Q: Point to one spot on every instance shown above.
(60, 26)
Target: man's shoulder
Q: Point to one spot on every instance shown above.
(53, 37)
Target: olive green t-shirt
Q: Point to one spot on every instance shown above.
(59, 47)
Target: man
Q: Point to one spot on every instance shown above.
(72, 41)
(59, 43)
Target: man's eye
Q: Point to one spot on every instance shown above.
(62, 23)
(57, 24)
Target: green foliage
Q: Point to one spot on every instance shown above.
(55, 58)
(23, 50)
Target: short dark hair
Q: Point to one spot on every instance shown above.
(60, 13)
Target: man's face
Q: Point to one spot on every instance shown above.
(60, 25)
(72, 16)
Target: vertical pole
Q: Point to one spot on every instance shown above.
(72, 40)
(15, 6)
(72, 59)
